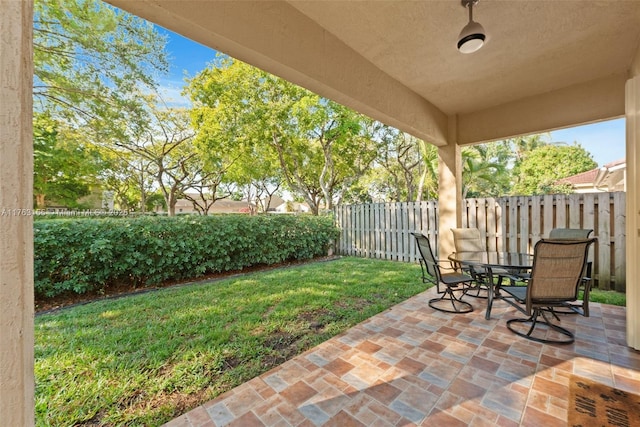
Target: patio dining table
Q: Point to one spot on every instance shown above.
(489, 264)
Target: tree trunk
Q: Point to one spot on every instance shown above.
(143, 201)
(171, 201)
(420, 189)
(40, 201)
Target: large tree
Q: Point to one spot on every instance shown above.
(129, 178)
(91, 62)
(326, 150)
(162, 138)
(406, 167)
(542, 167)
(224, 133)
(207, 183)
(428, 184)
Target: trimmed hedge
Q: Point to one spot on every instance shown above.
(82, 255)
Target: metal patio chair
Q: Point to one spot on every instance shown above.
(453, 285)
(580, 307)
(557, 272)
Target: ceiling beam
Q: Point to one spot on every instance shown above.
(589, 102)
(635, 65)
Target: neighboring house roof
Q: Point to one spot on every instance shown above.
(275, 201)
(610, 177)
(587, 177)
(225, 205)
(220, 206)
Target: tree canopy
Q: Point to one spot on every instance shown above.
(485, 170)
(91, 60)
(314, 145)
(541, 168)
(66, 166)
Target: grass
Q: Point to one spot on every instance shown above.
(607, 297)
(146, 359)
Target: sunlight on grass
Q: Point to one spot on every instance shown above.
(145, 359)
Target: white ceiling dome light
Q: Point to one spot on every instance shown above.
(472, 36)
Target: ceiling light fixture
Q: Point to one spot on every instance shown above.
(472, 36)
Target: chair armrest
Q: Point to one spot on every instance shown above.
(451, 265)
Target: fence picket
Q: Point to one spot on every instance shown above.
(491, 209)
(524, 233)
(548, 216)
(574, 212)
(604, 239)
(619, 241)
(536, 215)
(513, 225)
(561, 211)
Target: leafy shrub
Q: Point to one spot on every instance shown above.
(82, 255)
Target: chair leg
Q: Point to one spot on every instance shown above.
(479, 289)
(449, 298)
(534, 321)
(572, 308)
(555, 315)
(581, 307)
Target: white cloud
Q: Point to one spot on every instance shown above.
(171, 92)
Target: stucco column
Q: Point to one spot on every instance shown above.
(449, 191)
(16, 224)
(632, 109)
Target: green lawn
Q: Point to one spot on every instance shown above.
(145, 359)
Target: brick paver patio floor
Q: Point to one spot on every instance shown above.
(412, 365)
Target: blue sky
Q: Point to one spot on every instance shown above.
(186, 59)
(604, 140)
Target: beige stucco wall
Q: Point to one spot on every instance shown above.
(449, 190)
(633, 211)
(581, 103)
(16, 226)
(632, 115)
(449, 199)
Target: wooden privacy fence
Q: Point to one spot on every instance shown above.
(511, 224)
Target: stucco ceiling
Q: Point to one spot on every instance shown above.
(532, 46)
(397, 60)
